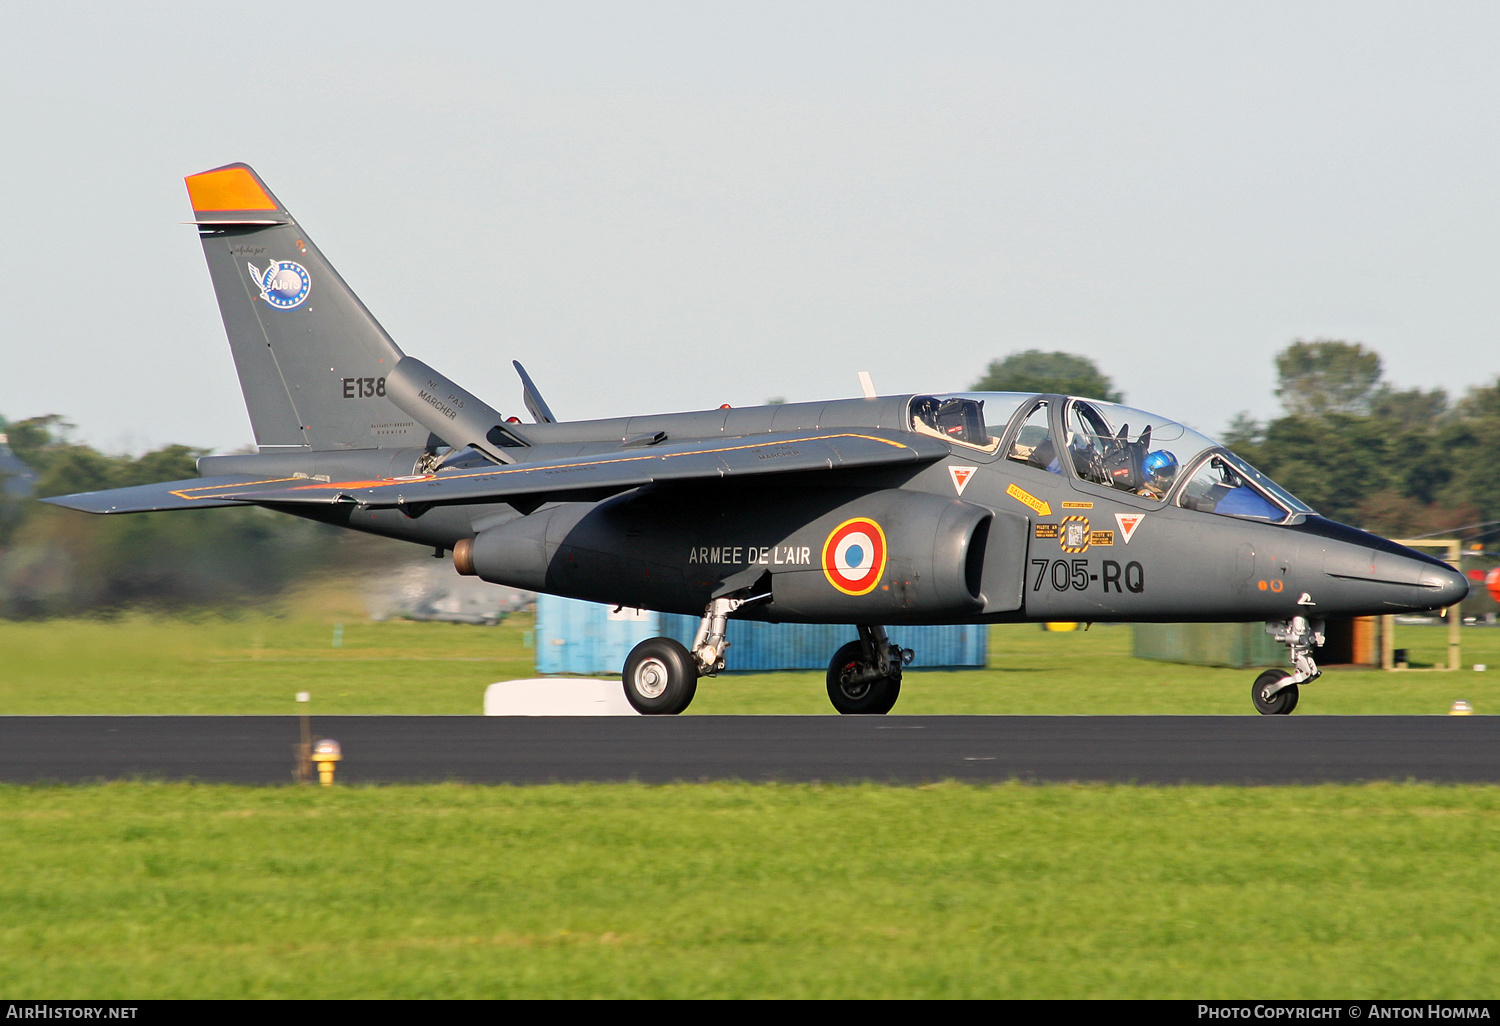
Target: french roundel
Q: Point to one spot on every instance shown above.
(854, 556)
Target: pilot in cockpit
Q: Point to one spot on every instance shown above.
(1159, 469)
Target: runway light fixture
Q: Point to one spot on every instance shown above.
(325, 753)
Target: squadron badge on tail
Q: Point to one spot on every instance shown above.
(284, 284)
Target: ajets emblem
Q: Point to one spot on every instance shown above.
(1128, 523)
(961, 477)
(283, 284)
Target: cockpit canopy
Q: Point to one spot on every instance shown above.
(955, 418)
(1109, 445)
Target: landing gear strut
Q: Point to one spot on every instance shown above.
(865, 675)
(661, 675)
(1275, 692)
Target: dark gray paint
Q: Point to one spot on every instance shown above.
(292, 363)
(616, 508)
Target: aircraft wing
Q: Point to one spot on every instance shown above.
(167, 495)
(605, 473)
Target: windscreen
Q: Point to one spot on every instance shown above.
(1227, 485)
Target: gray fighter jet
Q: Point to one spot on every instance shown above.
(876, 512)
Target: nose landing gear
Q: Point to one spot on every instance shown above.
(1271, 696)
(1275, 692)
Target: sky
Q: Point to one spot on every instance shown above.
(669, 206)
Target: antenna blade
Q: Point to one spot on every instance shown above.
(534, 401)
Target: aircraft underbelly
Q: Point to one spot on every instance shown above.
(838, 555)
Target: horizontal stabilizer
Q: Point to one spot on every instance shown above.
(607, 473)
(153, 498)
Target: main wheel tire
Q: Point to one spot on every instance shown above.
(660, 677)
(870, 698)
(1279, 704)
(892, 689)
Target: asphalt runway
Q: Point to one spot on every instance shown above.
(893, 749)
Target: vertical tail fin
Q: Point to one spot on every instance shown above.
(312, 361)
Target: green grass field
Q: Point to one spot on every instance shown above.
(732, 890)
(256, 662)
(141, 890)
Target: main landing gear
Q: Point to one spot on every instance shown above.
(660, 677)
(661, 674)
(1275, 692)
(865, 675)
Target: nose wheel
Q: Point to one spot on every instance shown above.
(1271, 697)
(1275, 691)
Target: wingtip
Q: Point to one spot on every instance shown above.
(78, 501)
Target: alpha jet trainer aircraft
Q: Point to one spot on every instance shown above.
(877, 512)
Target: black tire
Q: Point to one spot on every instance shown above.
(1279, 704)
(660, 677)
(868, 698)
(892, 689)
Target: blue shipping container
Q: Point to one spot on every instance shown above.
(588, 638)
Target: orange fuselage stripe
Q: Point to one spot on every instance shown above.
(520, 467)
(218, 490)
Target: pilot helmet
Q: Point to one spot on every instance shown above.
(1160, 466)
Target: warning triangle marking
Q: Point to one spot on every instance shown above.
(1128, 523)
(961, 477)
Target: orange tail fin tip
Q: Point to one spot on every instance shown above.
(228, 188)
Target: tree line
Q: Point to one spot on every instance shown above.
(55, 561)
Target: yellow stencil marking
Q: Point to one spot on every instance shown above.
(1025, 498)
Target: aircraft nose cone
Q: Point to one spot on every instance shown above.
(1448, 585)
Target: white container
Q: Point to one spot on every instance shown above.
(557, 696)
